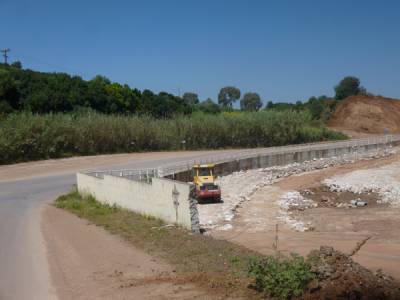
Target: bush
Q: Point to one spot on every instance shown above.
(281, 277)
(26, 136)
(86, 206)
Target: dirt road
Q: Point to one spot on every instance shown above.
(254, 224)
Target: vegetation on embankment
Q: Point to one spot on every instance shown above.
(26, 136)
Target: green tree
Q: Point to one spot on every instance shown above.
(321, 107)
(251, 102)
(209, 106)
(270, 105)
(191, 98)
(228, 95)
(41, 92)
(97, 95)
(348, 86)
(9, 95)
(299, 106)
(17, 64)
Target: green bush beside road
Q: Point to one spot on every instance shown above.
(27, 136)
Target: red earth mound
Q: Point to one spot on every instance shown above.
(367, 114)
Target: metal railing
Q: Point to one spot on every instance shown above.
(132, 174)
(177, 167)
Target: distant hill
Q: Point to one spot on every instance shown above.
(367, 114)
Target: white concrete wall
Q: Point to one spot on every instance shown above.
(154, 199)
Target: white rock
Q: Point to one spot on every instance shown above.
(240, 186)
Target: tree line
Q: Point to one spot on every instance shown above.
(39, 92)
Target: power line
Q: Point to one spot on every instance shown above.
(4, 51)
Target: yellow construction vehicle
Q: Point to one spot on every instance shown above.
(204, 181)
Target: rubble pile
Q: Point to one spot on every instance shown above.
(339, 277)
(294, 201)
(323, 196)
(382, 181)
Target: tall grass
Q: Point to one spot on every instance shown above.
(26, 136)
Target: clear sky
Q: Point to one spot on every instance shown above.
(284, 50)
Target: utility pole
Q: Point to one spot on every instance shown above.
(4, 51)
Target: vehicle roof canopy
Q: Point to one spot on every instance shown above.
(207, 166)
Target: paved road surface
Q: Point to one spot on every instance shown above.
(23, 265)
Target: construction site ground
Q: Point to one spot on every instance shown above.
(331, 219)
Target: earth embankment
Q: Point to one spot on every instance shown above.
(367, 114)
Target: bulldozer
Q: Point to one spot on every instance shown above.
(204, 181)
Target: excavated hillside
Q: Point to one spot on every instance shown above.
(367, 114)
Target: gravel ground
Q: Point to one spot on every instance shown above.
(294, 200)
(385, 181)
(240, 186)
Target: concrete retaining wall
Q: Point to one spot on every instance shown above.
(173, 201)
(276, 159)
(163, 198)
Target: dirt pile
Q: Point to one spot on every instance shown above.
(367, 114)
(339, 277)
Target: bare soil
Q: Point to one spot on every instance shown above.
(86, 262)
(367, 114)
(255, 222)
(324, 197)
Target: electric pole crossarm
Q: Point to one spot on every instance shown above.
(5, 51)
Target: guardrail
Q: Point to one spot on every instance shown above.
(177, 167)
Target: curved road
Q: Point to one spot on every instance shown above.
(25, 188)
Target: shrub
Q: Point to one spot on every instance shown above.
(281, 277)
(26, 136)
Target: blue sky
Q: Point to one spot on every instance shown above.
(284, 50)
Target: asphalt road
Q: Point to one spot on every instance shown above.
(23, 265)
